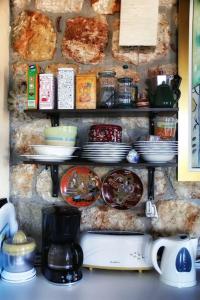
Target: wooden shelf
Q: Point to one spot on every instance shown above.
(55, 116)
(124, 163)
(114, 112)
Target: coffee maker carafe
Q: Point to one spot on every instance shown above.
(62, 257)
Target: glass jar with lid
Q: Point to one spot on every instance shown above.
(127, 92)
(165, 127)
(107, 89)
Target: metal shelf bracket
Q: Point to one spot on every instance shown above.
(151, 210)
(55, 118)
(151, 171)
(55, 180)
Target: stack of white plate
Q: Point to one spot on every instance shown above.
(105, 152)
(157, 151)
(51, 153)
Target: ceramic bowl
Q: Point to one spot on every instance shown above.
(61, 131)
(105, 133)
(157, 157)
(60, 135)
(53, 150)
(60, 142)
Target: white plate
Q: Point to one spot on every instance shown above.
(102, 143)
(107, 145)
(157, 150)
(158, 153)
(106, 149)
(156, 143)
(46, 157)
(104, 156)
(155, 146)
(105, 152)
(106, 159)
(110, 147)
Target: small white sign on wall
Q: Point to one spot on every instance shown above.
(138, 22)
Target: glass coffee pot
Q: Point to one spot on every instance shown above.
(127, 92)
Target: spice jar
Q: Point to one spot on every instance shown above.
(127, 92)
(107, 89)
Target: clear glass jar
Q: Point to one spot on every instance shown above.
(127, 92)
(165, 127)
(107, 89)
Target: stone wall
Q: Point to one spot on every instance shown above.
(31, 184)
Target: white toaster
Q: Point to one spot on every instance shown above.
(116, 250)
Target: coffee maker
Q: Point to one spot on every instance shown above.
(62, 257)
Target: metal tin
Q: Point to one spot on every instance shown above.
(105, 133)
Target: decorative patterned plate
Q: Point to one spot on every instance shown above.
(80, 187)
(122, 189)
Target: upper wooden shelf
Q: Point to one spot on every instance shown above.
(102, 112)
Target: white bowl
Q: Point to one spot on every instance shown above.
(61, 142)
(157, 157)
(53, 150)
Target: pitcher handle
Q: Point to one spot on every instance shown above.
(177, 95)
(79, 254)
(176, 81)
(156, 246)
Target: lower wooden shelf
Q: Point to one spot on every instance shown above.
(123, 163)
(54, 167)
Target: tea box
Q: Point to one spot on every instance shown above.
(46, 91)
(32, 87)
(66, 86)
(86, 91)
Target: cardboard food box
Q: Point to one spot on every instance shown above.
(66, 85)
(32, 87)
(86, 91)
(46, 91)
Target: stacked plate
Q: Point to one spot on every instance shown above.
(50, 153)
(157, 151)
(105, 152)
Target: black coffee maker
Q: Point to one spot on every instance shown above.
(62, 257)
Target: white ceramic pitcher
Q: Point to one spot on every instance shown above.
(177, 266)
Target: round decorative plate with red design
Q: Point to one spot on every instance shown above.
(80, 187)
(122, 189)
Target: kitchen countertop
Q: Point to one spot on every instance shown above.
(101, 285)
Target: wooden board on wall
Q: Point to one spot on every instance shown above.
(138, 22)
(4, 116)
